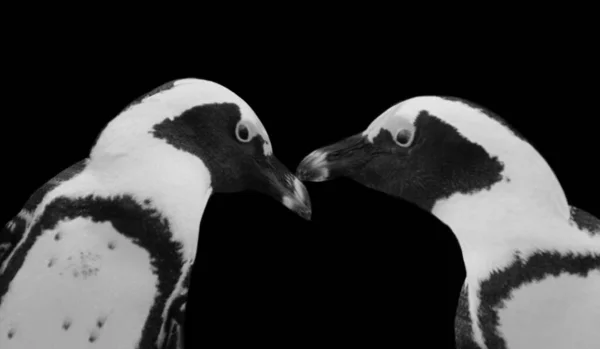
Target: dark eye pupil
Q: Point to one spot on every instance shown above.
(243, 132)
(403, 137)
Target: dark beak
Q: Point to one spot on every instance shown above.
(286, 188)
(334, 160)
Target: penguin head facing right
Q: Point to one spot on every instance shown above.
(188, 120)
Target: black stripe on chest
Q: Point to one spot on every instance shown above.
(145, 227)
(38, 196)
(498, 287)
(16, 228)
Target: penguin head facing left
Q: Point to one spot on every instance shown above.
(438, 152)
(203, 120)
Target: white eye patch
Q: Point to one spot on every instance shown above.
(254, 124)
(404, 137)
(244, 132)
(399, 127)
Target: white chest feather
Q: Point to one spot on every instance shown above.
(549, 311)
(556, 313)
(88, 284)
(81, 285)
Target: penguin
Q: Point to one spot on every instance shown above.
(532, 261)
(101, 255)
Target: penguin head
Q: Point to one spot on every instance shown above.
(431, 150)
(188, 120)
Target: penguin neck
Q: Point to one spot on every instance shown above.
(513, 216)
(175, 183)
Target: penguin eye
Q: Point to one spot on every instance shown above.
(242, 133)
(404, 137)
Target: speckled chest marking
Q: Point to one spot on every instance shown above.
(81, 285)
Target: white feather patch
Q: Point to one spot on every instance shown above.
(134, 124)
(555, 313)
(176, 182)
(66, 286)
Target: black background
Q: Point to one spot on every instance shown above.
(368, 268)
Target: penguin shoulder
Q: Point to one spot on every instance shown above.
(15, 230)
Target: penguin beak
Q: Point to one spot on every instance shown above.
(287, 188)
(334, 160)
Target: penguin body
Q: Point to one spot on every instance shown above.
(532, 261)
(101, 256)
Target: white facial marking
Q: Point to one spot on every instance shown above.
(132, 127)
(317, 162)
(242, 128)
(253, 131)
(390, 121)
(404, 136)
(255, 128)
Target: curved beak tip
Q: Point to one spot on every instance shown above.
(313, 168)
(299, 200)
(305, 213)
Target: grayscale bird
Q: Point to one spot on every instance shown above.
(101, 255)
(532, 260)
